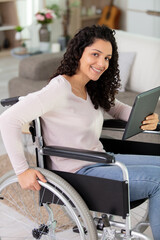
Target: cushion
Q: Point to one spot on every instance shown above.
(126, 60)
(145, 71)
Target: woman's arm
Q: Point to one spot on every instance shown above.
(122, 111)
(29, 108)
(11, 122)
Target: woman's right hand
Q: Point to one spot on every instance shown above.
(28, 179)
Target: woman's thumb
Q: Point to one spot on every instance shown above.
(41, 177)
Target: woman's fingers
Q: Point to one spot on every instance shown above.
(40, 176)
(29, 179)
(150, 123)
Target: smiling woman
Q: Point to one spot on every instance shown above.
(95, 60)
(93, 63)
(89, 60)
(72, 108)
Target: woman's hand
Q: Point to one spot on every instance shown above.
(28, 179)
(150, 123)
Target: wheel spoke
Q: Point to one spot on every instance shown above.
(29, 218)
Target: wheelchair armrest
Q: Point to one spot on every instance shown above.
(114, 124)
(79, 154)
(9, 101)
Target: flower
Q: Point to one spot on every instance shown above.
(45, 16)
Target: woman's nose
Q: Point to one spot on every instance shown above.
(102, 63)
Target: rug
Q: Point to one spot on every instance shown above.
(18, 196)
(5, 164)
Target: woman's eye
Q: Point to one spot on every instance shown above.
(95, 54)
(107, 59)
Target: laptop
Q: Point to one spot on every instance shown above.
(144, 105)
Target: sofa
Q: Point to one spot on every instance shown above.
(139, 59)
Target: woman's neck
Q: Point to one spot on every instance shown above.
(78, 85)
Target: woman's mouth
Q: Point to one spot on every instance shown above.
(96, 69)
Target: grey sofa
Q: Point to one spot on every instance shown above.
(34, 73)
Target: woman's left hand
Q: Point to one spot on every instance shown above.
(150, 123)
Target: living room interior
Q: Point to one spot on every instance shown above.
(26, 63)
(23, 58)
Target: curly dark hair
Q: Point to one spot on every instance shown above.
(101, 92)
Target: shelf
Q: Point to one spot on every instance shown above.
(8, 12)
(3, 1)
(81, 15)
(7, 27)
(92, 17)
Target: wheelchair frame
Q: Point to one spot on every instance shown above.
(118, 202)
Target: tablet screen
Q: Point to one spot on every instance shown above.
(144, 105)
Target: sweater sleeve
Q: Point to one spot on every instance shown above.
(29, 108)
(120, 111)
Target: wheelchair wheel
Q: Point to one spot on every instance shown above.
(22, 215)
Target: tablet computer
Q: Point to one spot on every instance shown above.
(144, 105)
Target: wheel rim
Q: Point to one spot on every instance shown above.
(31, 218)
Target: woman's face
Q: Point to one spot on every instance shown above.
(95, 60)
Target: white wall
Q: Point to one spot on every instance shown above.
(131, 21)
(138, 21)
(122, 4)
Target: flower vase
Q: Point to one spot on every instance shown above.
(44, 38)
(18, 36)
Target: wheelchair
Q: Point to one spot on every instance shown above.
(74, 206)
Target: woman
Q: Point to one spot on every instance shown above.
(71, 107)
